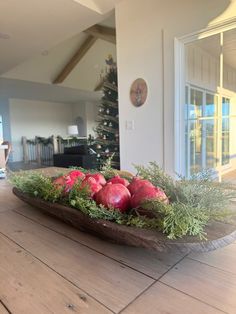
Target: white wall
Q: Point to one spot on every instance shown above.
(145, 48)
(33, 118)
(92, 117)
(89, 112)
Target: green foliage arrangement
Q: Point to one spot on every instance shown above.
(36, 184)
(193, 203)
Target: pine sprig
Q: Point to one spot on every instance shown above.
(37, 185)
(193, 203)
(90, 208)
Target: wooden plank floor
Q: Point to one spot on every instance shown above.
(47, 266)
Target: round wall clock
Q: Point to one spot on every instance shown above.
(138, 92)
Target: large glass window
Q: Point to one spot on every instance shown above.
(201, 131)
(225, 131)
(210, 103)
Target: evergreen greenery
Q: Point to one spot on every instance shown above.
(107, 140)
(36, 184)
(193, 203)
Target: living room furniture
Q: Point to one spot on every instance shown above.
(77, 156)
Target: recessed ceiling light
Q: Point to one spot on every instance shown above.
(4, 36)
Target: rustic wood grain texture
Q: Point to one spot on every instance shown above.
(102, 32)
(28, 286)
(80, 53)
(160, 299)
(224, 259)
(106, 280)
(153, 264)
(8, 200)
(3, 310)
(208, 284)
(218, 234)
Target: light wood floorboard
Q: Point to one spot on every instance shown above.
(8, 200)
(160, 299)
(150, 263)
(208, 284)
(108, 281)
(224, 258)
(29, 287)
(3, 309)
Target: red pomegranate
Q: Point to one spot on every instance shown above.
(98, 177)
(114, 195)
(64, 182)
(92, 185)
(137, 183)
(76, 174)
(147, 193)
(118, 179)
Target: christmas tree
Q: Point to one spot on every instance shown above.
(107, 140)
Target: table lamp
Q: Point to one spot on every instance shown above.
(72, 130)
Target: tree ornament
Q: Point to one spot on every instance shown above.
(107, 141)
(98, 155)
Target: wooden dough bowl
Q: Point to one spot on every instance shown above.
(218, 234)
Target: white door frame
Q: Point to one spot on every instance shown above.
(179, 46)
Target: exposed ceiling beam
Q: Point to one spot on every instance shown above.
(102, 32)
(99, 86)
(87, 44)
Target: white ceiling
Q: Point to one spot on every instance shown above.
(10, 88)
(100, 6)
(28, 27)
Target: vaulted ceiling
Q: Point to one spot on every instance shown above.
(28, 27)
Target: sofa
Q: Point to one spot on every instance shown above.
(77, 156)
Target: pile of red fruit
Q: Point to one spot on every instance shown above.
(116, 193)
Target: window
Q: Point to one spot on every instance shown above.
(201, 130)
(206, 109)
